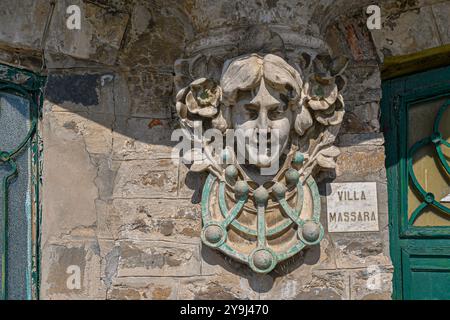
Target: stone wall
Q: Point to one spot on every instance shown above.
(113, 201)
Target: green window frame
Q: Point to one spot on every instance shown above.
(27, 88)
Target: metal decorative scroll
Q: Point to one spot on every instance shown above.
(428, 198)
(259, 219)
(28, 86)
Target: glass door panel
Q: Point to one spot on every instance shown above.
(428, 179)
(15, 197)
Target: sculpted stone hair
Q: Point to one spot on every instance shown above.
(245, 73)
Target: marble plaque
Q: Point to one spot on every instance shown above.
(352, 207)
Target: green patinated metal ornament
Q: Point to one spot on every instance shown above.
(263, 258)
(257, 216)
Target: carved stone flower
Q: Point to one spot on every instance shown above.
(333, 115)
(203, 98)
(323, 90)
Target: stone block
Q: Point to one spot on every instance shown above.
(68, 164)
(144, 289)
(215, 263)
(158, 258)
(146, 179)
(406, 32)
(311, 285)
(356, 250)
(360, 139)
(92, 130)
(142, 138)
(23, 22)
(365, 75)
(224, 287)
(361, 117)
(154, 28)
(62, 261)
(372, 283)
(368, 112)
(98, 39)
(108, 221)
(150, 94)
(163, 219)
(352, 124)
(365, 163)
(363, 84)
(441, 12)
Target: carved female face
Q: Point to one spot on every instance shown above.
(263, 111)
(261, 92)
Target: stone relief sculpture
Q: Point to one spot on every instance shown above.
(261, 219)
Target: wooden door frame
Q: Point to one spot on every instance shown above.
(396, 95)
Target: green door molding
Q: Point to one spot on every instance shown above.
(420, 254)
(403, 65)
(24, 88)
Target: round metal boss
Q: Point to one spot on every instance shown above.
(213, 234)
(261, 195)
(241, 188)
(279, 190)
(292, 176)
(311, 232)
(231, 172)
(262, 260)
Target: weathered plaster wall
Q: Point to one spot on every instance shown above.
(118, 207)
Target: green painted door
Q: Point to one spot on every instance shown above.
(416, 124)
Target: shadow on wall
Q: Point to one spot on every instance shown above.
(130, 106)
(261, 283)
(104, 98)
(124, 112)
(125, 80)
